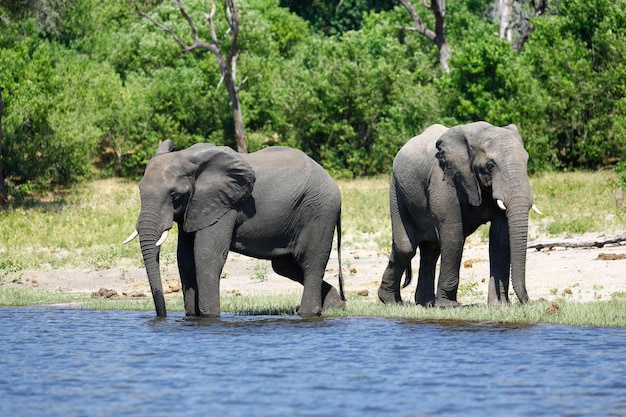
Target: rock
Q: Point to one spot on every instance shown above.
(104, 293)
(553, 308)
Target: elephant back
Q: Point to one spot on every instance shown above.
(281, 169)
(414, 163)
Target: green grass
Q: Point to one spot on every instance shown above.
(78, 228)
(577, 202)
(84, 228)
(610, 313)
(19, 297)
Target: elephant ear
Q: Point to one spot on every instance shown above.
(516, 132)
(166, 146)
(222, 180)
(455, 158)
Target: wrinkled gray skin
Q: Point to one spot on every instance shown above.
(445, 184)
(275, 204)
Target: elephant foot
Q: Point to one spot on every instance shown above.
(209, 315)
(332, 299)
(425, 300)
(446, 303)
(498, 293)
(494, 302)
(389, 297)
(306, 314)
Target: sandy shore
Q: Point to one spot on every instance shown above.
(581, 274)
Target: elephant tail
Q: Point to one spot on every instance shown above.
(341, 293)
(408, 277)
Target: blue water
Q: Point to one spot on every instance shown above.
(65, 362)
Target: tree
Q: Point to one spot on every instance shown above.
(227, 64)
(505, 9)
(336, 17)
(514, 17)
(438, 36)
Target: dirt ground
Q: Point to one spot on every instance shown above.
(580, 274)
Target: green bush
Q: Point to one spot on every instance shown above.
(53, 100)
(91, 88)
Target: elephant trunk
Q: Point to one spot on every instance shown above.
(517, 215)
(149, 228)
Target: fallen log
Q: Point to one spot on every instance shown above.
(598, 242)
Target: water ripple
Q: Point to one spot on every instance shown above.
(57, 362)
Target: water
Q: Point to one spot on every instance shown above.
(64, 362)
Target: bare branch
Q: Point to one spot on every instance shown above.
(160, 25)
(599, 242)
(233, 22)
(227, 66)
(438, 36)
(419, 23)
(233, 66)
(338, 6)
(209, 18)
(198, 43)
(256, 74)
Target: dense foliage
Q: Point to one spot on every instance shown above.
(91, 88)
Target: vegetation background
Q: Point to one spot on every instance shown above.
(91, 88)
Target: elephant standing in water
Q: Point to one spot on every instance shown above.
(446, 183)
(275, 204)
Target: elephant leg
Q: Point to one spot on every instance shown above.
(310, 305)
(451, 241)
(403, 250)
(425, 293)
(389, 289)
(499, 261)
(211, 249)
(288, 267)
(187, 271)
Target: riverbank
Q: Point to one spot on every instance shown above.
(576, 274)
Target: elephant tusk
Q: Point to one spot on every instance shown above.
(501, 204)
(536, 210)
(163, 238)
(131, 237)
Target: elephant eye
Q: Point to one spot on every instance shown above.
(490, 167)
(175, 197)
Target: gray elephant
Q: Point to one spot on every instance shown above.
(275, 204)
(446, 183)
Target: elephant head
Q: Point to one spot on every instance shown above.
(489, 165)
(194, 187)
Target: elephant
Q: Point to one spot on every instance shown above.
(276, 204)
(445, 183)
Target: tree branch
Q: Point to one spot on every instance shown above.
(438, 36)
(227, 66)
(599, 242)
(419, 23)
(198, 43)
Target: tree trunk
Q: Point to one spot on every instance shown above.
(240, 133)
(438, 36)
(505, 11)
(439, 9)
